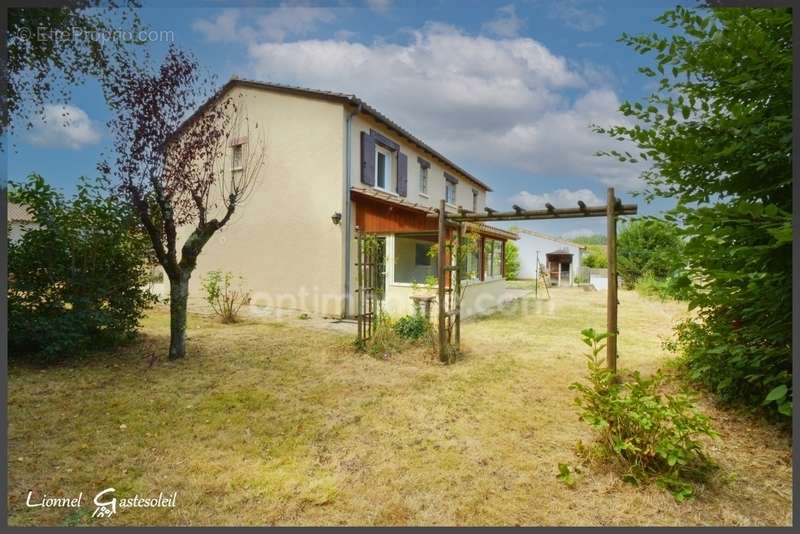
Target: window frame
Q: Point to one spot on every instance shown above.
(432, 265)
(388, 174)
(493, 257)
(447, 185)
(423, 180)
(238, 147)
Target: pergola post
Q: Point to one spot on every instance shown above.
(457, 286)
(611, 306)
(441, 269)
(613, 209)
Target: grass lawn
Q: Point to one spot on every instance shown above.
(273, 423)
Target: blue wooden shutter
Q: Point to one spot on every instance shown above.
(402, 174)
(367, 159)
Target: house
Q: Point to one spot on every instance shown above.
(19, 220)
(334, 165)
(561, 260)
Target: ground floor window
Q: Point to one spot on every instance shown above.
(493, 254)
(412, 260)
(473, 266)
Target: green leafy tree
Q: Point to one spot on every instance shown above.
(77, 277)
(596, 257)
(511, 260)
(648, 247)
(718, 132)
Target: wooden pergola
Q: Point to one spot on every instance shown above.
(451, 333)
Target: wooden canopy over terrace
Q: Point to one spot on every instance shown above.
(379, 212)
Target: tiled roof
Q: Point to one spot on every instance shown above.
(351, 99)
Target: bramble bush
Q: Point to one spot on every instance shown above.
(392, 336)
(412, 327)
(78, 276)
(654, 436)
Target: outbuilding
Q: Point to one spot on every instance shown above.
(560, 260)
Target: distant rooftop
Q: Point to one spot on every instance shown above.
(18, 213)
(524, 231)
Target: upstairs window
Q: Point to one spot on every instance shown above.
(449, 192)
(237, 160)
(383, 169)
(423, 180)
(474, 201)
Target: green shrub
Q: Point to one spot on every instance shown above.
(648, 247)
(77, 278)
(511, 260)
(596, 257)
(390, 337)
(650, 286)
(653, 436)
(385, 340)
(412, 327)
(225, 294)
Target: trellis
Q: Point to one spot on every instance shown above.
(449, 320)
(367, 276)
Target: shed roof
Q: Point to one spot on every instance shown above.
(551, 238)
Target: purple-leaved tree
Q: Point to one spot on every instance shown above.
(173, 161)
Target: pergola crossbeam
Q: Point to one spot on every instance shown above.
(613, 209)
(551, 213)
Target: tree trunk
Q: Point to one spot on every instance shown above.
(178, 297)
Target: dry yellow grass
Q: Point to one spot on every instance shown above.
(266, 423)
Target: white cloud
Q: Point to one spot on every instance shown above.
(379, 6)
(576, 17)
(578, 232)
(560, 198)
(294, 19)
(276, 24)
(225, 27)
(509, 103)
(506, 23)
(63, 126)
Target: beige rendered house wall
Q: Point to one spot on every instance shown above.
(282, 241)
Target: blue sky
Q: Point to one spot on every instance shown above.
(507, 89)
